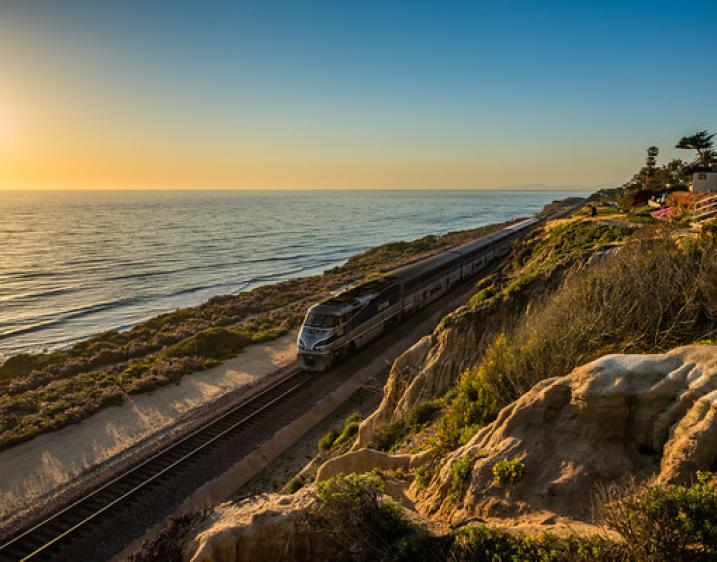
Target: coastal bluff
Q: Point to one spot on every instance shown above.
(649, 415)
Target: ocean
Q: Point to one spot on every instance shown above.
(75, 263)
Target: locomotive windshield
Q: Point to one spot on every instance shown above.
(316, 320)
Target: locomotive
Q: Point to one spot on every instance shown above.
(339, 325)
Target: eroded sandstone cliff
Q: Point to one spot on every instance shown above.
(619, 416)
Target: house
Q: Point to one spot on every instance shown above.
(704, 179)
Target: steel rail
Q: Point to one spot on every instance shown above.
(63, 524)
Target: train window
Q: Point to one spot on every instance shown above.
(315, 320)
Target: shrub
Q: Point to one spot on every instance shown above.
(23, 364)
(294, 485)
(472, 404)
(351, 516)
(424, 474)
(350, 429)
(480, 543)
(709, 228)
(421, 414)
(665, 522)
(327, 440)
(481, 297)
(215, 343)
(508, 471)
(461, 471)
(271, 334)
(389, 436)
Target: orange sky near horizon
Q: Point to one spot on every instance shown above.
(254, 95)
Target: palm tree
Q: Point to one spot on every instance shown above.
(701, 141)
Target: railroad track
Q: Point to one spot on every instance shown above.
(47, 539)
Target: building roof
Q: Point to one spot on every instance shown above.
(705, 169)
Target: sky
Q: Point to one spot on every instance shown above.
(329, 95)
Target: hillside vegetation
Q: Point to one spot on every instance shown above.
(652, 295)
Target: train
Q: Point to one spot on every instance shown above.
(336, 327)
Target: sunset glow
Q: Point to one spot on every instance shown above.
(314, 96)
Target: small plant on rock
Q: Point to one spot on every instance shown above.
(461, 471)
(508, 471)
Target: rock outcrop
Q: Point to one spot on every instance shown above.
(366, 460)
(263, 527)
(273, 526)
(427, 370)
(621, 415)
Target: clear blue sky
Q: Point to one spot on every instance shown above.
(348, 94)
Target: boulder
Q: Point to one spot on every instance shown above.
(619, 416)
(259, 528)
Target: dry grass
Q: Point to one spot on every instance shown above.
(648, 296)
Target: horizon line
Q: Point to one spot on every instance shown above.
(529, 187)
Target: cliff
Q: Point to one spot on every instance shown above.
(618, 417)
(565, 376)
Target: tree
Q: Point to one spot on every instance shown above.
(676, 174)
(648, 172)
(701, 141)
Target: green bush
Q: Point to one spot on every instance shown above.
(481, 297)
(215, 343)
(327, 440)
(482, 544)
(294, 485)
(508, 471)
(421, 414)
(350, 429)
(391, 436)
(461, 471)
(388, 437)
(665, 522)
(351, 516)
(268, 335)
(24, 363)
(472, 404)
(424, 474)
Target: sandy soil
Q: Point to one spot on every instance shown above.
(47, 463)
